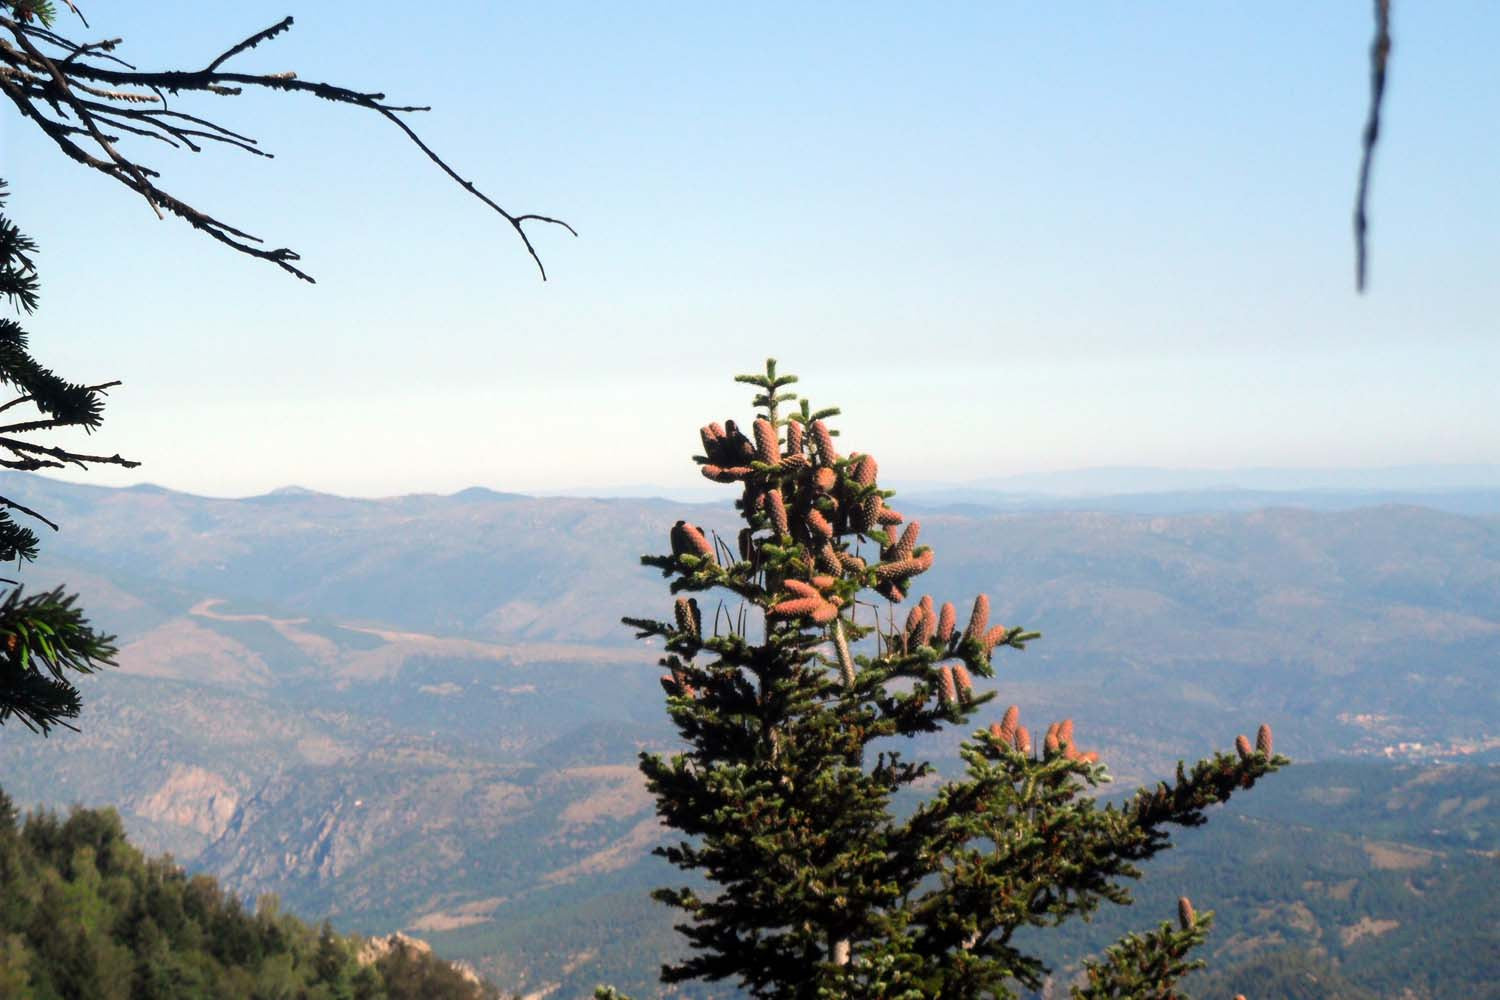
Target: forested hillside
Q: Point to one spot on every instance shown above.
(85, 916)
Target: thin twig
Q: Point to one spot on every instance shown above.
(8, 502)
(1380, 51)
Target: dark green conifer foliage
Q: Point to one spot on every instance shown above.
(819, 889)
(44, 638)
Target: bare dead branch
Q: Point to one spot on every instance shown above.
(8, 502)
(74, 95)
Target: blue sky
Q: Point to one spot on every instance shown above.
(1004, 238)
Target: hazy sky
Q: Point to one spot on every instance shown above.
(1005, 238)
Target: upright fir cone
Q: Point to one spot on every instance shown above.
(793, 437)
(885, 515)
(906, 544)
(767, 448)
(818, 526)
(825, 479)
(777, 506)
(1023, 739)
(1049, 742)
(947, 689)
(828, 559)
(965, 683)
(979, 619)
(689, 619)
(1185, 915)
(1065, 732)
(929, 624)
(865, 470)
(994, 637)
(1009, 721)
(713, 442)
(946, 620)
(824, 441)
(1242, 747)
(1263, 739)
(924, 607)
(868, 514)
(913, 627)
(688, 539)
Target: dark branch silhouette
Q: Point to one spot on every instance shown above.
(1380, 51)
(85, 98)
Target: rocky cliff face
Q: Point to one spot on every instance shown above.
(191, 797)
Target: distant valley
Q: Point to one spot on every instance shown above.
(422, 712)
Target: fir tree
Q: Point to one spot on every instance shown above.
(819, 889)
(44, 638)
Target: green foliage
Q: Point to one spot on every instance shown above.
(821, 889)
(84, 915)
(44, 637)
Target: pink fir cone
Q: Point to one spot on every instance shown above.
(827, 559)
(802, 588)
(825, 479)
(979, 619)
(1242, 747)
(793, 437)
(865, 470)
(818, 526)
(767, 448)
(907, 543)
(913, 626)
(904, 568)
(824, 442)
(686, 612)
(946, 620)
(929, 624)
(699, 544)
(1009, 721)
(1263, 740)
(946, 689)
(852, 563)
(994, 637)
(712, 437)
(797, 606)
(1023, 739)
(777, 507)
(965, 683)
(1185, 915)
(1050, 741)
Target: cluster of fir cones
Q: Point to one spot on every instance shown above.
(856, 506)
(823, 504)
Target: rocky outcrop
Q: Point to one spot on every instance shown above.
(191, 797)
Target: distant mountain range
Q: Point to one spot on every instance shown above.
(421, 712)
